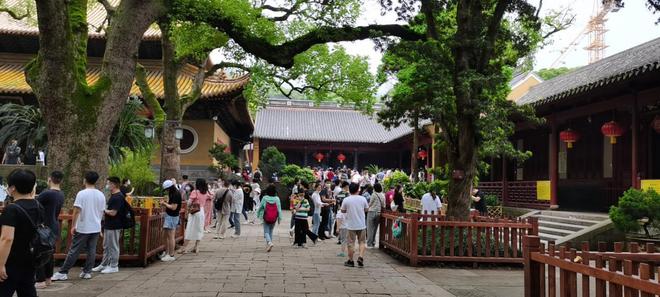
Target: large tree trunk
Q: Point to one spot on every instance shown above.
(171, 147)
(80, 118)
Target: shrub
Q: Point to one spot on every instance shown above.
(396, 178)
(417, 190)
(272, 161)
(637, 210)
(136, 166)
(374, 169)
(223, 159)
(492, 200)
(292, 173)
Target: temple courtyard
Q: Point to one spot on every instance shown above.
(241, 267)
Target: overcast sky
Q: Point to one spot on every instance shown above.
(628, 27)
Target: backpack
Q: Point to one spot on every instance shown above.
(128, 217)
(270, 213)
(42, 244)
(217, 204)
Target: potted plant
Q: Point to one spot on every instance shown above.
(493, 206)
(638, 214)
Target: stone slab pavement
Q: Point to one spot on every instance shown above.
(241, 267)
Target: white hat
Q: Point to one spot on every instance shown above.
(167, 184)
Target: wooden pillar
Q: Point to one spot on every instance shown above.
(305, 156)
(635, 138)
(505, 183)
(553, 166)
(255, 154)
(532, 273)
(355, 160)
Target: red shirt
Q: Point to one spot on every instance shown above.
(389, 197)
(331, 175)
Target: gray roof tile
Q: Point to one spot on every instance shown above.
(622, 66)
(323, 124)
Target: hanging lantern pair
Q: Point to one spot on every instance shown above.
(569, 136)
(612, 130)
(319, 157)
(341, 157)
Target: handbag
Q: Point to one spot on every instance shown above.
(194, 206)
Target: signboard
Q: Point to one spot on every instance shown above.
(543, 190)
(651, 184)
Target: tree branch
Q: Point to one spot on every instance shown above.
(13, 14)
(428, 8)
(108, 7)
(150, 99)
(287, 11)
(492, 31)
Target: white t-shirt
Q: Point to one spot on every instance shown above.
(3, 193)
(356, 178)
(92, 204)
(355, 207)
(340, 220)
(430, 204)
(318, 204)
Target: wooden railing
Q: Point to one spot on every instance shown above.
(592, 273)
(137, 244)
(515, 193)
(435, 238)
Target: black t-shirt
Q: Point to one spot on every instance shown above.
(52, 201)
(174, 199)
(481, 205)
(116, 202)
(324, 195)
(19, 255)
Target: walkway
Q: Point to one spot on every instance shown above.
(240, 267)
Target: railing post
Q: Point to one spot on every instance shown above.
(381, 231)
(535, 225)
(531, 244)
(414, 225)
(144, 236)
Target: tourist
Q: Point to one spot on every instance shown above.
(389, 198)
(185, 187)
(368, 191)
(431, 204)
(398, 199)
(195, 226)
(301, 224)
(479, 201)
(270, 211)
(16, 262)
(343, 233)
(318, 205)
(248, 203)
(112, 228)
(327, 213)
(208, 211)
(171, 222)
(88, 209)
(222, 203)
(339, 197)
(52, 201)
(237, 208)
(30, 155)
(256, 199)
(354, 207)
(12, 154)
(256, 176)
(293, 201)
(376, 205)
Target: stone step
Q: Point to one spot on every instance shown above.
(548, 237)
(558, 232)
(564, 220)
(577, 215)
(563, 226)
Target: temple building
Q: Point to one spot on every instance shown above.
(220, 115)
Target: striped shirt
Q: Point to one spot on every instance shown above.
(302, 214)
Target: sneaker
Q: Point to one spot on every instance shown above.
(98, 268)
(57, 276)
(270, 247)
(327, 234)
(85, 275)
(168, 258)
(235, 236)
(218, 237)
(291, 233)
(338, 242)
(109, 270)
(360, 262)
(40, 285)
(371, 246)
(342, 254)
(349, 263)
(160, 256)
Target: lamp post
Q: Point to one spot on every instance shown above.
(150, 132)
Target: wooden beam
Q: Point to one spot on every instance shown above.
(553, 166)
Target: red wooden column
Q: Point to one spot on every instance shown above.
(553, 172)
(505, 185)
(635, 139)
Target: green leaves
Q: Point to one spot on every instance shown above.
(291, 173)
(637, 210)
(222, 157)
(272, 161)
(136, 166)
(196, 40)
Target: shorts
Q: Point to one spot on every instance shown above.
(361, 237)
(171, 222)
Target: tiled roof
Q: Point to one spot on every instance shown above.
(12, 78)
(623, 66)
(96, 16)
(323, 124)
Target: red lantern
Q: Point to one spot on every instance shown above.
(569, 137)
(319, 157)
(341, 157)
(656, 124)
(422, 154)
(612, 130)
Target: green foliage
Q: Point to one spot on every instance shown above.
(23, 123)
(129, 131)
(492, 200)
(418, 189)
(637, 210)
(374, 169)
(42, 185)
(136, 166)
(550, 73)
(292, 173)
(195, 40)
(272, 161)
(224, 159)
(396, 178)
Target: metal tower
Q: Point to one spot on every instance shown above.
(596, 28)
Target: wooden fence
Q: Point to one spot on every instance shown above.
(515, 193)
(599, 273)
(137, 244)
(435, 238)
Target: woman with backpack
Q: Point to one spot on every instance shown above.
(270, 211)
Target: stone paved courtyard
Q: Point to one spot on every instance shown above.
(241, 267)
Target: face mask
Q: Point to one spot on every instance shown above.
(128, 182)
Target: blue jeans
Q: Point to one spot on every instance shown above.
(316, 223)
(268, 232)
(236, 218)
(331, 222)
